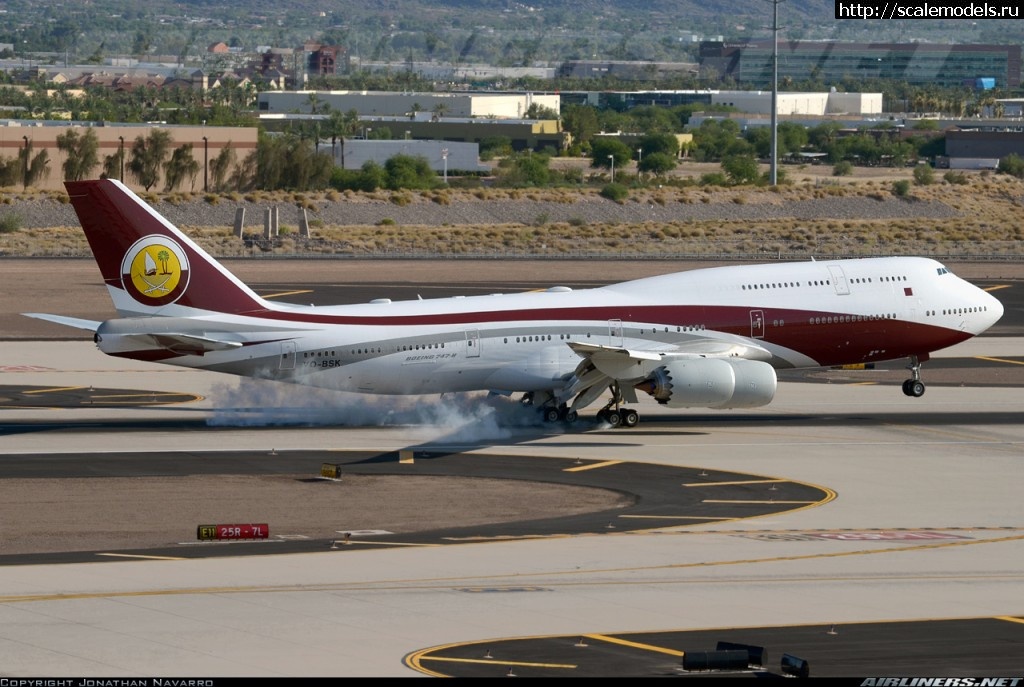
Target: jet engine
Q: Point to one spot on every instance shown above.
(712, 383)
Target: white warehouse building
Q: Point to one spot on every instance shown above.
(817, 104)
(413, 105)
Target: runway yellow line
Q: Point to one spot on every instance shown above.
(144, 394)
(997, 287)
(1000, 360)
(59, 388)
(673, 517)
(287, 293)
(1010, 619)
(488, 661)
(593, 466)
(637, 645)
(352, 542)
(151, 558)
(754, 501)
(725, 484)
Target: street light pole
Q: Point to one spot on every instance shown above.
(120, 155)
(775, 93)
(611, 158)
(206, 164)
(444, 157)
(24, 178)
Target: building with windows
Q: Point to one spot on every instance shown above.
(978, 66)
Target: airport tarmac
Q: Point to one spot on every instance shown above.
(925, 525)
(909, 565)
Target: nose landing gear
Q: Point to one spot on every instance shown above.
(914, 387)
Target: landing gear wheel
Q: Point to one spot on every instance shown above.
(914, 388)
(613, 418)
(630, 418)
(551, 415)
(571, 416)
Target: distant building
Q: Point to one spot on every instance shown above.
(750, 62)
(754, 102)
(442, 156)
(624, 70)
(324, 60)
(219, 48)
(412, 105)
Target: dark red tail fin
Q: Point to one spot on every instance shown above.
(149, 266)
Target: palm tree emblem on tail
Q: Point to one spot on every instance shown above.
(155, 270)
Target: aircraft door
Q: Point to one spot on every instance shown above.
(615, 332)
(839, 281)
(287, 361)
(472, 343)
(757, 325)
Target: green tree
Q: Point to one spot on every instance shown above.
(716, 139)
(182, 165)
(580, 121)
(147, 157)
(525, 169)
(741, 169)
(408, 171)
(81, 153)
(220, 165)
(659, 143)
(538, 111)
(605, 148)
(657, 163)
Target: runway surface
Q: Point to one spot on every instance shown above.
(910, 564)
(925, 525)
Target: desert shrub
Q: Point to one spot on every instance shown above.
(10, 223)
(954, 177)
(616, 192)
(1012, 164)
(924, 175)
(901, 188)
(843, 168)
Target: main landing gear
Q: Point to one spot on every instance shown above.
(619, 417)
(612, 414)
(616, 416)
(914, 387)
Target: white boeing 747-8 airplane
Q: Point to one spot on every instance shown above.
(706, 338)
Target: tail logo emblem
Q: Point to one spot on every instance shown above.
(155, 270)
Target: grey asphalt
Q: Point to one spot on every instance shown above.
(913, 568)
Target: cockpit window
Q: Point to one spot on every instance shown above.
(942, 270)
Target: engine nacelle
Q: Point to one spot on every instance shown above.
(712, 383)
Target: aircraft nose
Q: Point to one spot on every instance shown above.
(992, 308)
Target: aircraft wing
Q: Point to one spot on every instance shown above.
(603, 364)
(613, 357)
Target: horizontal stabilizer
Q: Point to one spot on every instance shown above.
(75, 322)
